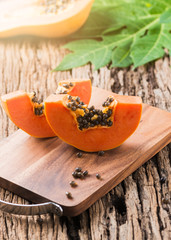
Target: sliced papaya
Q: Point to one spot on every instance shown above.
(27, 112)
(42, 18)
(81, 88)
(90, 129)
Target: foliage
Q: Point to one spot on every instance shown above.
(122, 33)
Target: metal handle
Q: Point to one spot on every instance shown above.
(32, 209)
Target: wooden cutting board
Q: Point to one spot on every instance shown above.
(40, 169)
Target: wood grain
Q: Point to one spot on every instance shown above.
(134, 209)
(40, 169)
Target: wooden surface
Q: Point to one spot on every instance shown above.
(35, 168)
(139, 207)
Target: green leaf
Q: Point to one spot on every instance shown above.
(121, 32)
(166, 17)
(149, 47)
(113, 28)
(121, 56)
(167, 37)
(86, 51)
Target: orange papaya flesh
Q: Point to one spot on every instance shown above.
(90, 129)
(82, 88)
(27, 112)
(27, 115)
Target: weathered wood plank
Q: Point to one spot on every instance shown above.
(139, 207)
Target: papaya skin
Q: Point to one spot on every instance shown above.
(50, 26)
(126, 117)
(20, 108)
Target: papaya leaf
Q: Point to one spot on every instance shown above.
(166, 17)
(121, 32)
(148, 48)
(121, 56)
(86, 51)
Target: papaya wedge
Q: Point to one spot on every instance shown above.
(27, 112)
(90, 129)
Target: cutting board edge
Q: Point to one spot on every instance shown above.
(16, 189)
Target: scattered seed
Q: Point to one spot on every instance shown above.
(78, 169)
(101, 153)
(79, 154)
(98, 176)
(74, 174)
(69, 195)
(85, 173)
(79, 175)
(71, 84)
(73, 184)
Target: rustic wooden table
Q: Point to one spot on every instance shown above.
(139, 207)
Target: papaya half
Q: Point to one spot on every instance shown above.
(42, 18)
(91, 129)
(27, 112)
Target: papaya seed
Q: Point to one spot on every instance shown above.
(98, 176)
(73, 184)
(101, 153)
(69, 195)
(79, 154)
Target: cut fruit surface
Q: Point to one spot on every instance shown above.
(81, 88)
(27, 112)
(90, 129)
(42, 17)
(19, 107)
